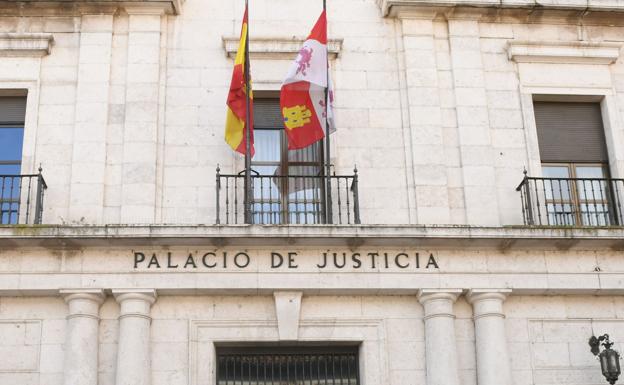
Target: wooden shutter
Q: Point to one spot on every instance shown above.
(267, 114)
(570, 132)
(12, 110)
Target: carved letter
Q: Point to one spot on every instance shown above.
(190, 261)
(280, 260)
(138, 258)
(398, 263)
(169, 265)
(357, 263)
(246, 257)
(291, 261)
(205, 258)
(153, 261)
(432, 262)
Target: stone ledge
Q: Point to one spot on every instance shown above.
(563, 52)
(25, 44)
(391, 7)
(79, 7)
(502, 238)
(276, 48)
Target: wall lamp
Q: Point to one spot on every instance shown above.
(609, 358)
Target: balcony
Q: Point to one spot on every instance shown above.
(287, 199)
(21, 199)
(574, 202)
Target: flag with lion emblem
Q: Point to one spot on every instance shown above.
(303, 100)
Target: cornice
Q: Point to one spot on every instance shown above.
(25, 44)
(275, 47)
(563, 52)
(60, 8)
(502, 238)
(390, 7)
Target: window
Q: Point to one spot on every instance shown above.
(282, 365)
(577, 189)
(12, 113)
(287, 185)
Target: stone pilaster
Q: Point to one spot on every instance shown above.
(88, 166)
(133, 352)
(142, 111)
(473, 123)
(493, 365)
(81, 341)
(440, 342)
(426, 147)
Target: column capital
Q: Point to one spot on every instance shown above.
(475, 295)
(135, 302)
(487, 302)
(438, 303)
(83, 302)
(426, 295)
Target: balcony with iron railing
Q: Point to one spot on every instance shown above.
(573, 202)
(287, 199)
(21, 199)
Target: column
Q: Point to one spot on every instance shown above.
(81, 341)
(133, 351)
(441, 348)
(141, 120)
(493, 365)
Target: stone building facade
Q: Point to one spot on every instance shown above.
(463, 271)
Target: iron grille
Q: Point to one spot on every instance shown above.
(288, 366)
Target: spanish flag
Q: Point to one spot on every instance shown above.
(236, 121)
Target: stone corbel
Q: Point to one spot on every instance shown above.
(276, 48)
(580, 52)
(25, 44)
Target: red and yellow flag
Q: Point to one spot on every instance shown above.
(305, 110)
(236, 121)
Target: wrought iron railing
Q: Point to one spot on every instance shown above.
(288, 199)
(572, 201)
(21, 199)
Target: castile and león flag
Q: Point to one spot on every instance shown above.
(306, 96)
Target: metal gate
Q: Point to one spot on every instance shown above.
(288, 366)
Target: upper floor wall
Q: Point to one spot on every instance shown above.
(125, 103)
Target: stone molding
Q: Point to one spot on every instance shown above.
(81, 7)
(581, 52)
(25, 44)
(276, 48)
(370, 331)
(503, 238)
(394, 8)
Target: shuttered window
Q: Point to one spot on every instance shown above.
(12, 114)
(570, 132)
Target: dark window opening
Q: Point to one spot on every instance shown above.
(12, 115)
(285, 366)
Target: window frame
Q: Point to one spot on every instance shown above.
(283, 166)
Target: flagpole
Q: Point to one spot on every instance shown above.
(328, 198)
(248, 192)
